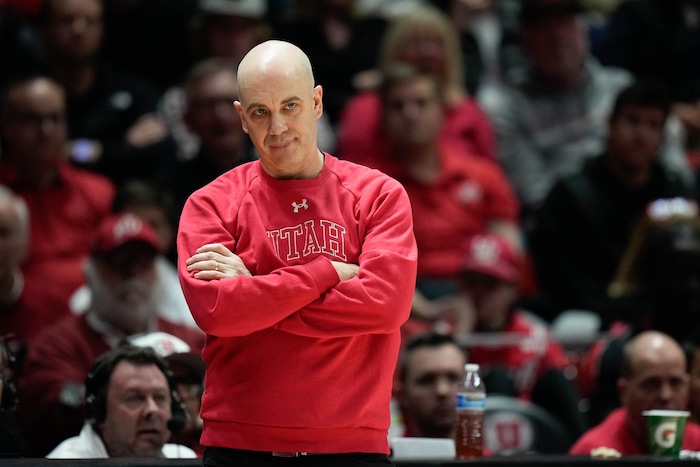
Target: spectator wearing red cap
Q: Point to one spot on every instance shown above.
(153, 205)
(510, 345)
(122, 280)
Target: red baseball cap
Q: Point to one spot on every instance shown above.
(119, 229)
(492, 255)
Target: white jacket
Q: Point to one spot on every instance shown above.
(88, 445)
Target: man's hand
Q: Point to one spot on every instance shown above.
(214, 261)
(451, 313)
(345, 270)
(148, 129)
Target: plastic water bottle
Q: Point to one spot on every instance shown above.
(471, 400)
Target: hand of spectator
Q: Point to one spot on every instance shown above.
(214, 261)
(450, 314)
(459, 308)
(346, 270)
(148, 129)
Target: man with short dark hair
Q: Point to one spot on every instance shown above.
(583, 226)
(121, 276)
(431, 368)
(131, 409)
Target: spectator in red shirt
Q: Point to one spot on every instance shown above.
(426, 38)
(454, 195)
(65, 204)
(653, 376)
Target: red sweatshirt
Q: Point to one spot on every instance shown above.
(614, 433)
(298, 360)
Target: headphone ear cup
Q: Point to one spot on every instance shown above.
(178, 413)
(94, 404)
(94, 409)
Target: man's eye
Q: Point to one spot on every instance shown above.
(160, 399)
(133, 399)
(291, 106)
(259, 112)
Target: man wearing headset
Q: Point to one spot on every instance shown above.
(130, 409)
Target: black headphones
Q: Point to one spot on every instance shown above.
(98, 377)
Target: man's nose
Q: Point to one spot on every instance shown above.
(79, 25)
(47, 126)
(278, 124)
(151, 406)
(666, 393)
(444, 386)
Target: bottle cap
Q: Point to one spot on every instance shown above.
(471, 367)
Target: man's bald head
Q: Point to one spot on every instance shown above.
(279, 105)
(654, 376)
(275, 58)
(648, 345)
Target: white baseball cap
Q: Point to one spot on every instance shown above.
(163, 343)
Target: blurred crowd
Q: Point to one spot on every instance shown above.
(549, 149)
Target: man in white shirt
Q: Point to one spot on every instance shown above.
(131, 409)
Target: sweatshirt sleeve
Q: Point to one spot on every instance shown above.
(379, 299)
(241, 306)
(305, 299)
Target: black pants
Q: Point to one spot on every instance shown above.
(214, 456)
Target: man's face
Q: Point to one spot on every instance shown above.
(33, 126)
(556, 46)
(635, 136)
(659, 381)
(123, 287)
(429, 390)
(492, 299)
(138, 410)
(74, 30)
(413, 113)
(279, 109)
(211, 114)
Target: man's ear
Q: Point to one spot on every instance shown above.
(239, 109)
(318, 101)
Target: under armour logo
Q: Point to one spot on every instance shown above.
(300, 205)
